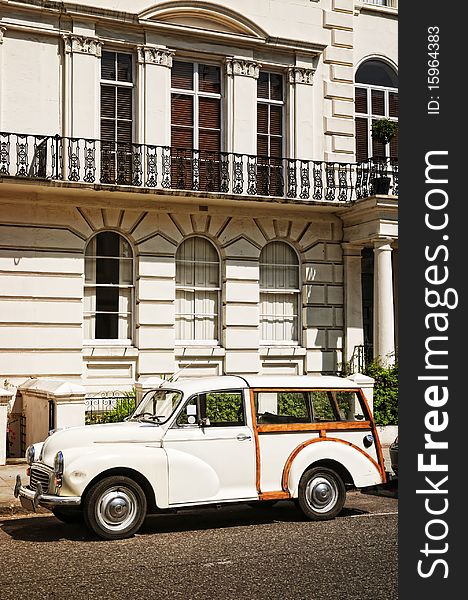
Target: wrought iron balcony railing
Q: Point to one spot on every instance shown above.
(98, 162)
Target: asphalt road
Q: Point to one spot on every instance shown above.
(231, 553)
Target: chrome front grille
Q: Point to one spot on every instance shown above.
(39, 476)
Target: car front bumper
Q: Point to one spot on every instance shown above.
(31, 499)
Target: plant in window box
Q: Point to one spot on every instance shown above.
(383, 131)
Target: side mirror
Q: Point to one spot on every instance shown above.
(205, 422)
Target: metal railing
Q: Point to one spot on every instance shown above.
(95, 162)
(109, 407)
(362, 356)
(388, 3)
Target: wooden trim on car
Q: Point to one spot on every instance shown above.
(378, 445)
(279, 495)
(331, 426)
(257, 444)
(295, 452)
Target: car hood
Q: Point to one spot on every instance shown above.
(130, 432)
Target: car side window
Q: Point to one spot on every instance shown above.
(224, 408)
(282, 407)
(215, 409)
(323, 407)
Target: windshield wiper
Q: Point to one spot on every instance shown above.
(147, 417)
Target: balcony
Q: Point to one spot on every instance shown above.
(387, 3)
(163, 169)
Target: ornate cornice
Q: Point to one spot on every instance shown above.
(239, 66)
(301, 75)
(149, 55)
(82, 45)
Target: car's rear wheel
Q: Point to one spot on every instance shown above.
(321, 494)
(115, 508)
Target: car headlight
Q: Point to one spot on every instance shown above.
(58, 464)
(30, 455)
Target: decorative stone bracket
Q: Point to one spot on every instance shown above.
(150, 55)
(239, 66)
(82, 45)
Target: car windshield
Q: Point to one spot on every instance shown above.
(157, 406)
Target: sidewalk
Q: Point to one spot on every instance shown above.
(8, 503)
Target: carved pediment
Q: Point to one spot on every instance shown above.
(205, 16)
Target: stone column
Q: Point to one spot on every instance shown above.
(154, 76)
(5, 398)
(384, 325)
(354, 332)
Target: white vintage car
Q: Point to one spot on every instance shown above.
(217, 440)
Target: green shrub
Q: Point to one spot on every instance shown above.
(385, 392)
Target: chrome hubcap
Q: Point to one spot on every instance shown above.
(321, 494)
(116, 509)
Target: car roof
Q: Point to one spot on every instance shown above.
(225, 382)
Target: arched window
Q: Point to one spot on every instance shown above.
(109, 288)
(197, 291)
(279, 294)
(376, 97)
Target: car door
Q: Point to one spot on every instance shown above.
(211, 450)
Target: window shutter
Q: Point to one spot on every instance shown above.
(276, 120)
(209, 124)
(263, 86)
(108, 65)
(276, 86)
(182, 121)
(182, 75)
(393, 104)
(209, 79)
(360, 100)
(378, 107)
(362, 145)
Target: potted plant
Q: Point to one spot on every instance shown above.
(383, 131)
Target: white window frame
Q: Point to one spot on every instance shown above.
(132, 303)
(208, 342)
(123, 84)
(370, 117)
(270, 102)
(295, 292)
(197, 94)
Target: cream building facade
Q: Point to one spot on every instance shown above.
(150, 223)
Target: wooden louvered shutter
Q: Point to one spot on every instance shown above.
(362, 144)
(182, 125)
(360, 101)
(116, 118)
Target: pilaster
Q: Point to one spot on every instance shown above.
(154, 76)
(338, 82)
(242, 75)
(354, 332)
(82, 56)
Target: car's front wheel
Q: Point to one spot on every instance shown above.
(115, 508)
(321, 494)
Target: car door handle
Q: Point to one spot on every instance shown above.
(243, 436)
